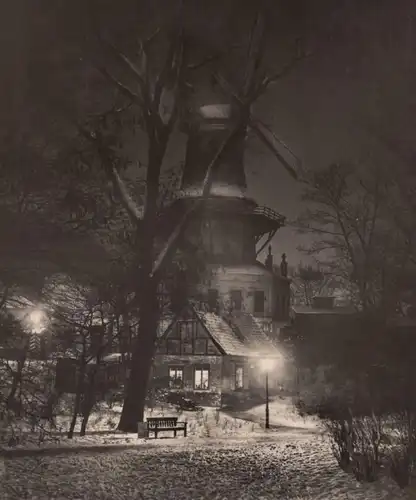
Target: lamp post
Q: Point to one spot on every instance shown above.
(267, 402)
(267, 365)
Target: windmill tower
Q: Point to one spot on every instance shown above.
(229, 228)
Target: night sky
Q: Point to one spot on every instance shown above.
(360, 77)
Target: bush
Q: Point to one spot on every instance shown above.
(402, 455)
(356, 444)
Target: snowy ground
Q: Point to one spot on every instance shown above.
(224, 457)
(211, 423)
(294, 467)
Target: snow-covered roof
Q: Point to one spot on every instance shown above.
(336, 310)
(223, 334)
(217, 189)
(240, 335)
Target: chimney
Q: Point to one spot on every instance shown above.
(323, 302)
(283, 266)
(269, 260)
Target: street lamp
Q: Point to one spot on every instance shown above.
(36, 321)
(267, 364)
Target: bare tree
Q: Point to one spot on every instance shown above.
(355, 238)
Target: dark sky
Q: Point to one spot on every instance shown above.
(361, 76)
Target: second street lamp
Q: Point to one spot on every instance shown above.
(267, 365)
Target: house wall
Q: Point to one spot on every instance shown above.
(249, 279)
(209, 397)
(229, 364)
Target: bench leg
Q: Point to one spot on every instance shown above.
(184, 432)
(174, 433)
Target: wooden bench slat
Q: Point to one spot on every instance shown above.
(156, 424)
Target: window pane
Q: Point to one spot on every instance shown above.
(198, 378)
(205, 379)
(239, 377)
(175, 377)
(201, 378)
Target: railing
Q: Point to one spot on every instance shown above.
(269, 213)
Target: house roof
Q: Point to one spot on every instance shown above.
(254, 336)
(223, 334)
(240, 335)
(318, 310)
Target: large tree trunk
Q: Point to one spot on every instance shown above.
(144, 345)
(16, 385)
(78, 398)
(89, 402)
(141, 363)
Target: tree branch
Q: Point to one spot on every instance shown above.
(270, 80)
(130, 206)
(120, 187)
(244, 105)
(123, 88)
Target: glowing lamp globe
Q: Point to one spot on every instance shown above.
(267, 364)
(37, 320)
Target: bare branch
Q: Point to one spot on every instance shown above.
(271, 79)
(123, 88)
(245, 104)
(152, 37)
(204, 61)
(120, 187)
(134, 69)
(162, 80)
(128, 203)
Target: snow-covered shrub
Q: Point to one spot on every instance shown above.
(401, 455)
(356, 443)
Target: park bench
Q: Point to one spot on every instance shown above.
(158, 424)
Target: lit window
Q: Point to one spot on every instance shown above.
(239, 377)
(201, 378)
(175, 377)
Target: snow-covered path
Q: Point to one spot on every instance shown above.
(287, 466)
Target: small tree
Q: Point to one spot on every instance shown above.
(309, 281)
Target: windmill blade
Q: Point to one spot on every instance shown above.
(246, 103)
(262, 125)
(271, 147)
